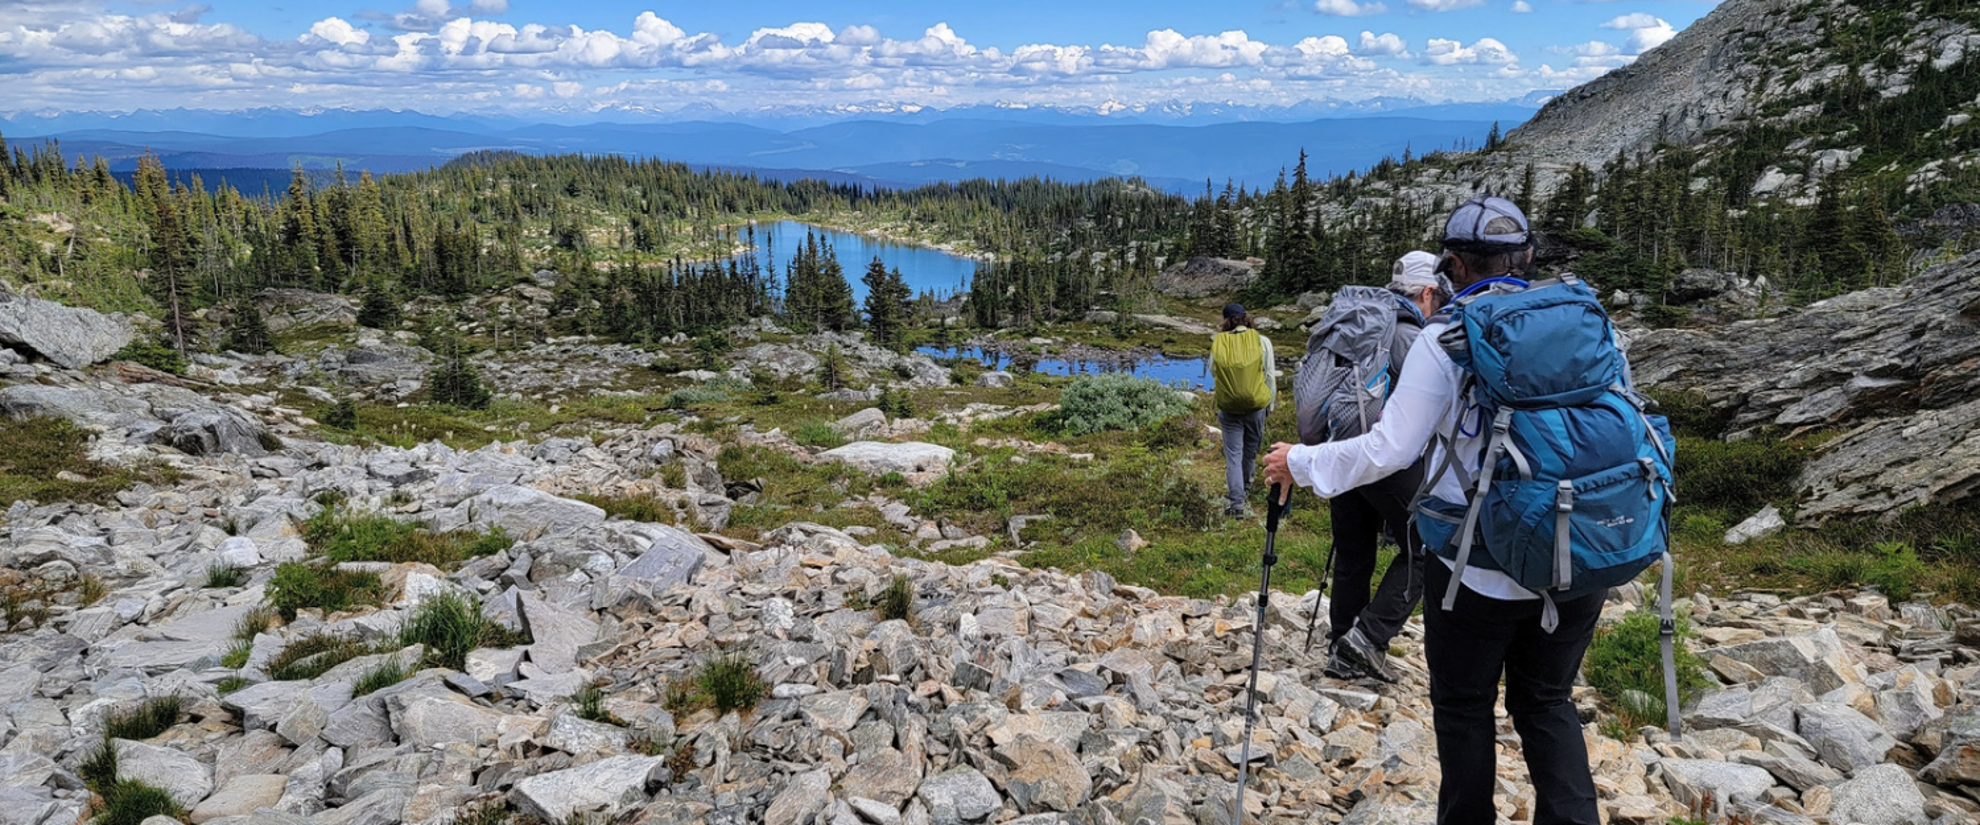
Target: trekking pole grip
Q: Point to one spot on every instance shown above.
(1274, 508)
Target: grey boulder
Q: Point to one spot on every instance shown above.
(71, 337)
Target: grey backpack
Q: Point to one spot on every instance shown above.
(1350, 364)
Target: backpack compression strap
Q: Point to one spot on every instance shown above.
(1667, 639)
(1501, 427)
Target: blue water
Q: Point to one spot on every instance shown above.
(924, 269)
(1192, 372)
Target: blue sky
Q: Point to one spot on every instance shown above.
(516, 56)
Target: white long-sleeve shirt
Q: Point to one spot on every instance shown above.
(1424, 403)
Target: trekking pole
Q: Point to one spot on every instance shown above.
(1326, 573)
(1274, 508)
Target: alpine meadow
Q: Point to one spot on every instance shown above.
(467, 414)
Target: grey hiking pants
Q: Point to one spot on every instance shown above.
(1242, 434)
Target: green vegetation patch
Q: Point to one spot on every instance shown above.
(303, 585)
(450, 625)
(383, 675)
(144, 720)
(45, 460)
(1625, 665)
(1117, 401)
(724, 683)
(313, 655)
(342, 536)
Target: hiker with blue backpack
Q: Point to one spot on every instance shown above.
(1548, 484)
(1353, 356)
(1245, 384)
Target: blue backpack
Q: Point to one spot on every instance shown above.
(1574, 489)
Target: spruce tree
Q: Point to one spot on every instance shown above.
(887, 298)
(248, 332)
(454, 381)
(379, 309)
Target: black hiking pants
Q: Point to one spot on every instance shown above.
(1467, 649)
(1360, 517)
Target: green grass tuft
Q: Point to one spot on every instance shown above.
(451, 625)
(131, 802)
(897, 602)
(301, 585)
(313, 655)
(237, 654)
(385, 674)
(589, 704)
(99, 769)
(731, 683)
(231, 684)
(219, 575)
(147, 719)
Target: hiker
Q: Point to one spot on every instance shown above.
(1246, 384)
(1359, 627)
(1494, 625)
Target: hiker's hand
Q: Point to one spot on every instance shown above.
(1276, 471)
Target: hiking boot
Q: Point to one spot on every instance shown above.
(1341, 667)
(1236, 511)
(1364, 655)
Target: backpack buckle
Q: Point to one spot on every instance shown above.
(1667, 627)
(1564, 497)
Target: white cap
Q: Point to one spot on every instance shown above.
(1413, 270)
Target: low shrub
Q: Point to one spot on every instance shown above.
(817, 434)
(1625, 665)
(38, 456)
(237, 654)
(686, 397)
(153, 354)
(302, 585)
(1736, 478)
(1117, 401)
(632, 508)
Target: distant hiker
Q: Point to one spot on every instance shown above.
(1246, 384)
(1522, 387)
(1354, 355)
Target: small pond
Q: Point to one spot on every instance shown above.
(1192, 372)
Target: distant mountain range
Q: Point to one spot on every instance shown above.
(1176, 147)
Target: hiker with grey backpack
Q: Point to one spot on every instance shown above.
(1547, 484)
(1353, 356)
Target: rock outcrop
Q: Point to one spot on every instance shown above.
(70, 337)
(1898, 368)
(1200, 276)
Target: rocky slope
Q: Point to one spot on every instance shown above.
(1897, 369)
(1005, 695)
(1746, 64)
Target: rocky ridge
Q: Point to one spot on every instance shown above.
(1897, 368)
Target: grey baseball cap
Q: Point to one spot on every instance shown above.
(1487, 224)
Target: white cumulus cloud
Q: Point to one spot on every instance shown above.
(1485, 50)
(1386, 44)
(1444, 5)
(1646, 31)
(1521, 7)
(1349, 8)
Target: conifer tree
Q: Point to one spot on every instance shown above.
(887, 308)
(379, 309)
(248, 332)
(454, 381)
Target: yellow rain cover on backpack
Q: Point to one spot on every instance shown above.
(1237, 364)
